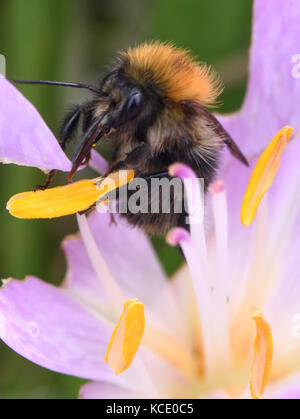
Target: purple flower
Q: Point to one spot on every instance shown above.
(199, 335)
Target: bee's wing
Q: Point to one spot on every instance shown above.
(222, 133)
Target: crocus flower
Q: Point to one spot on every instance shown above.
(226, 325)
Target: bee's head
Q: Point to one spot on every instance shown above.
(145, 94)
(148, 78)
(125, 100)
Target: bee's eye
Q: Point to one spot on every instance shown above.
(134, 104)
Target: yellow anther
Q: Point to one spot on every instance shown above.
(263, 355)
(68, 199)
(263, 175)
(126, 337)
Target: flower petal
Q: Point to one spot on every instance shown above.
(25, 139)
(102, 390)
(273, 95)
(81, 280)
(132, 264)
(287, 388)
(128, 254)
(43, 324)
(272, 86)
(290, 393)
(98, 163)
(272, 100)
(282, 307)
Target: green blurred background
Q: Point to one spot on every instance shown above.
(74, 40)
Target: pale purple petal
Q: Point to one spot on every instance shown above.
(102, 390)
(282, 305)
(127, 252)
(98, 163)
(273, 96)
(154, 377)
(292, 392)
(272, 101)
(132, 262)
(25, 139)
(287, 387)
(82, 280)
(43, 324)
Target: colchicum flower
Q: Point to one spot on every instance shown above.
(226, 324)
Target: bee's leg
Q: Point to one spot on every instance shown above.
(112, 220)
(86, 159)
(49, 179)
(87, 113)
(93, 206)
(129, 162)
(69, 125)
(66, 133)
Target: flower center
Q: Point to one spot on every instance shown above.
(211, 285)
(211, 290)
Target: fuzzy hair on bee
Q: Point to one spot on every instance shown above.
(153, 107)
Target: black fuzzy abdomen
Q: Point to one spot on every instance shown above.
(160, 223)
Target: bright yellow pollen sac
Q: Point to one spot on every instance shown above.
(263, 175)
(67, 199)
(126, 337)
(263, 355)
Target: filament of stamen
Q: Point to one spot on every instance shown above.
(113, 291)
(181, 237)
(221, 309)
(196, 211)
(194, 249)
(144, 377)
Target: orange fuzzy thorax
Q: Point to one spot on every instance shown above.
(173, 71)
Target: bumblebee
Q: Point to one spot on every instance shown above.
(152, 106)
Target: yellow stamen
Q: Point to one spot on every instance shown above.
(263, 175)
(263, 354)
(68, 199)
(126, 337)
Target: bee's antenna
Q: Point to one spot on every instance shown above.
(59, 83)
